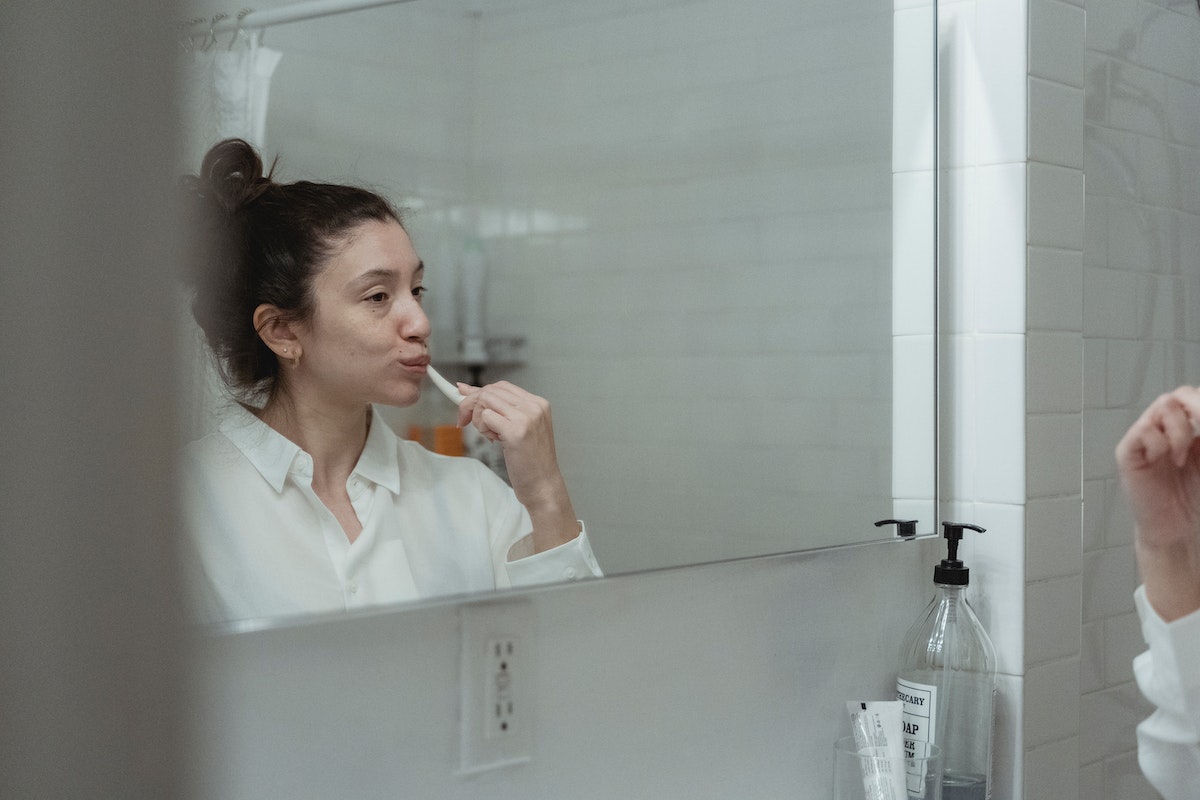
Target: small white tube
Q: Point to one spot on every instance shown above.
(879, 731)
(445, 386)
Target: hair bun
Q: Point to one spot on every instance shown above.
(230, 177)
(232, 173)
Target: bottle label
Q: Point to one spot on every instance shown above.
(920, 722)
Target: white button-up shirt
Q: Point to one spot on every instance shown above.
(260, 543)
(1168, 674)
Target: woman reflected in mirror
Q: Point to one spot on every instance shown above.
(303, 500)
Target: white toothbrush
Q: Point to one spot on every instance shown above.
(444, 386)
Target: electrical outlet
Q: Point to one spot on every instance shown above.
(496, 685)
(502, 665)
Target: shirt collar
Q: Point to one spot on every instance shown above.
(379, 462)
(274, 455)
(271, 453)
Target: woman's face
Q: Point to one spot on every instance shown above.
(367, 340)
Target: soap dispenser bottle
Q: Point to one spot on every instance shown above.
(947, 682)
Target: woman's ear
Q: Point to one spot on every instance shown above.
(277, 333)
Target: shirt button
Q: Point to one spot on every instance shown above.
(353, 587)
(570, 572)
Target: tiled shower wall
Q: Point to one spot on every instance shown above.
(1141, 327)
(379, 97)
(1109, 91)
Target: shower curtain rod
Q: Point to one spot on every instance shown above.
(310, 9)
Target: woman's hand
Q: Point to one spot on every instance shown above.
(1159, 460)
(521, 423)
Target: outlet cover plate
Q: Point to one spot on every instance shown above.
(497, 688)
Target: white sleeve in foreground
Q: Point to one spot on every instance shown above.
(1168, 674)
(568, 562)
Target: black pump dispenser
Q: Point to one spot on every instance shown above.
(947, 682)
(951, 571)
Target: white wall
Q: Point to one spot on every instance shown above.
(700, 683)
(91, 673)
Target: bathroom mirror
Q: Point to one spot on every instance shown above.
(709, 235)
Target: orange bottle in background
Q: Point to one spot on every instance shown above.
(448, 440)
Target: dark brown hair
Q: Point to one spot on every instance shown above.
(258, 241)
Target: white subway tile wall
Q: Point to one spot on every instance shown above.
(983, 236)
(729, 226)
(1012, 237)
(1052, 702)
(1044, 769)
(1049, 551)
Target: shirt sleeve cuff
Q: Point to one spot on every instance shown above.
(571, 561)
(1174, 649)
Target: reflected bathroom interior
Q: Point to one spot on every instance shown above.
(710, 253)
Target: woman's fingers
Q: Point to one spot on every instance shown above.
(1165, 427)
(1177, 428)
(1177, 416)
(503, 411)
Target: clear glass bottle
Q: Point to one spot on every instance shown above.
(947, 681)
